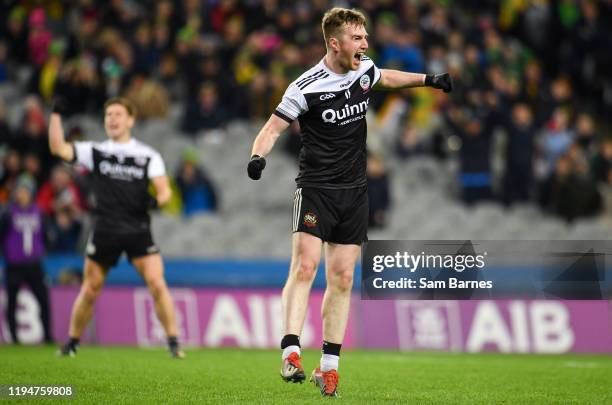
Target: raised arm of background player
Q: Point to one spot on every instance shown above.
(65, 150)
(389, 80)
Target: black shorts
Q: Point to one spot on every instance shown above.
(336, 216)
(105, 248)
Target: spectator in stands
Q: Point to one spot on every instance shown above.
(586, 135)
(569, 192)
(534, 92)
(50, 71)
(31, 165)
(146, 55)
(32, 135)
(148, 97)
(197, 190)
(167, 73)
(259, 101)
(3, 61)
(521, 132)
(6, 134)
(210, 70)
(121, 15)
(410, 142)
(206, 113)
(17, 35)
(559, 98)
(11, 170)
(78, 82)
(474, 131)
(21, 232)
(203, 55)
(379, 194)
(64, 226)
(83, 40)
(39, 37)
(401, 49)
(557, 138)
(602, 162)
(606, 194)
(59, 191)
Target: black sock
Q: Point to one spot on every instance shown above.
(74, 342)
(290, 340)
(331, 348)
(172, 341)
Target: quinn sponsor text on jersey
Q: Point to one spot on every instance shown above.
(331, 110)
(121, 174)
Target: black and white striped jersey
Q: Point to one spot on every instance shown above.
(121, 174)
(331, 109)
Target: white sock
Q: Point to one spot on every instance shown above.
(329, 362)
(291, 349)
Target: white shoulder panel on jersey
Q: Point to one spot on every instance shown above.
(156, 164)
(135, 148)
(293, 103)
(319, 79)
(333, 82)
(84, 154)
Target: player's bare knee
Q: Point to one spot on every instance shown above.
(342, 281)
(305, 270)
(156, 287)
(91, 290)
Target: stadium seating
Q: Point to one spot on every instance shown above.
(253, 219)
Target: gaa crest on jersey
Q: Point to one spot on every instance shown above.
(310, 220)
(364, 82)
(140, 161)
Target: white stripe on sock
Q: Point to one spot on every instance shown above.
(291, 349)
(329, 362)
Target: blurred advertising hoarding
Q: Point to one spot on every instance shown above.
(252, 318)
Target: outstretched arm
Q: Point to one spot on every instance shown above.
(395, 79)
(57, 144)
(263, 144)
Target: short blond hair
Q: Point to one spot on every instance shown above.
(337, 17)
(131, 110)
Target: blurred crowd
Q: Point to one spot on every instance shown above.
(533, 89)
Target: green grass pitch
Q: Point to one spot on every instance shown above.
(149, 376)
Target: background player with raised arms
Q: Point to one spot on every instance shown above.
(122, 168)
(330, 207)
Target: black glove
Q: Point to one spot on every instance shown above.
(60, 105)
(256, 166)
(443, 81)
